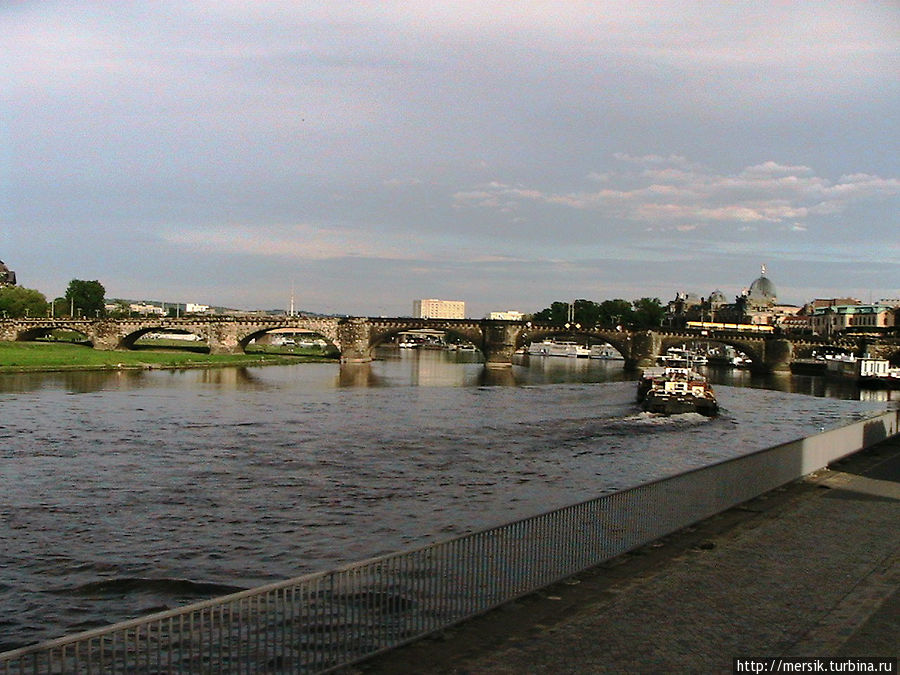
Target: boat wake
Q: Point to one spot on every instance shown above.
(664, 420)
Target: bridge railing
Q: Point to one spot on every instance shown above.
(320, 622)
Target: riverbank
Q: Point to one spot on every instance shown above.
(811, 569)
(20, 357)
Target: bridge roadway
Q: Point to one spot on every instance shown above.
(355, 338)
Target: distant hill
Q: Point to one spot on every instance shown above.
(213, 309)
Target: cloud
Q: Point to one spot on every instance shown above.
(769, 192)
(297, 242)
(402, 182)
(771, 168)
(675, 160)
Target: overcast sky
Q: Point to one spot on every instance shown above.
(503, 153)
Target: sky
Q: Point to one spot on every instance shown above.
(508, 154)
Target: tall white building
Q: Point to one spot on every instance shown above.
(439, 309)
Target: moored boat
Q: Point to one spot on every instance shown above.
(678, 354)
(865, 371)
(606, 352)
(558, 348)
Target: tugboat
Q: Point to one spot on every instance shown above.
(676, 388)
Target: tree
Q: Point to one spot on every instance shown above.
(558, 312)
(614, 313)
(643, 313)
(587, 313)
(86, 298)
(17, 302)
(648, 313)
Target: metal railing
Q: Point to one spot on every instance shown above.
(322, 621)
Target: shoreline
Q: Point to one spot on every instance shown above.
(30, 357)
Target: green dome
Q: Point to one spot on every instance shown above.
(762, 292)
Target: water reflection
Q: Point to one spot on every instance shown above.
(239, 377)
(811, 385)
(394, 367)
(74, 382)
(357, 375)
(498, 377)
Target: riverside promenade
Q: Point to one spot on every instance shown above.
(810, 569)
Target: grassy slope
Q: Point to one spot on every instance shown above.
(24, 356)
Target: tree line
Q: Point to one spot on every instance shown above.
(643, 313)
(87, 299)
(82, 298)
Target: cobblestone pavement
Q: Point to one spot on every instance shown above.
(812, 569)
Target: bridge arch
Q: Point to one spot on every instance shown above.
(751, 350)
(382, 332)
(383, 337)
(618, 340)
(245, 341)
(129, 340)
(809, 350)
(33, 333)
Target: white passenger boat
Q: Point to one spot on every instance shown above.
(606, 351)
(677, 354)
(558, 348)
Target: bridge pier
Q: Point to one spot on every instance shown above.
(777, 356)
(105, 335)
(643, 349)
(222, 338)
(354, 336)
(499, 343)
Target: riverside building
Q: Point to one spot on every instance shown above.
(7, 276)
(439, 309)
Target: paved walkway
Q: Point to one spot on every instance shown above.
(812, 569)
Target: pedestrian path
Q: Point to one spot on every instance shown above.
(811, 569)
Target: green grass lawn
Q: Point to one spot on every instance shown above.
(25, 356)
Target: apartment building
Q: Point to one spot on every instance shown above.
(439, 309)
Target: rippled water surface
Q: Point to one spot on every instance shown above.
(123, 493)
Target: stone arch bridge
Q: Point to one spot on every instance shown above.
(355, 338)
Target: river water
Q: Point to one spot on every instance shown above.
(129, 492)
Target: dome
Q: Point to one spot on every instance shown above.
(762, 292)
(717, 297)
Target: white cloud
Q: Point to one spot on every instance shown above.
(771, 168)
(769, 192)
